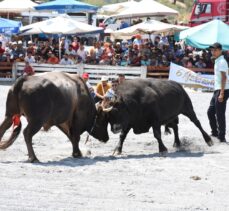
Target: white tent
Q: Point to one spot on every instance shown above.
(112, 9)
(147, 27)
(146, 8)
(62, 24)
(16, 6)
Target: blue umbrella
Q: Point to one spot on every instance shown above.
(9, 26)
(63, 6)
(204, 35)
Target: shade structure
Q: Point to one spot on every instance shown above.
(204, 35)
(146, 8)
(112, 9)
(16, 6)
(9, 26)
(62, 24)
(147, 27)
(64, 6)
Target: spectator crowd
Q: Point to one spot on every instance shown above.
(134, 52)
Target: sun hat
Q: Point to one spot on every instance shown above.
(104, 78)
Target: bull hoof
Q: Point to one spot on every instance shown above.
(33, 160)
(163, 153)
(117, 151)
(77, 154)
(176, 145)
(210, 143)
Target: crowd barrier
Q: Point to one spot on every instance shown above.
(95, 71)
(10, 71)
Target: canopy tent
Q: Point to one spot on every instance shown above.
(146, 8)
(204, 35)
(9, 26)
(112, 9)
(147, 27)
(62, 24)
(64, 6)
(16, 6)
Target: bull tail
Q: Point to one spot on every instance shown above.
(16, 131)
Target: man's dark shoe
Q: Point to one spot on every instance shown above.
(214, 135)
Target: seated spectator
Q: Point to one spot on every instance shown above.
(28, 69)
(30, 58)
(31, 48)
(101, 89)
(66, 61)
(52, 58)
(21, 58)
(124, 61)
(200, 63)
(70, 50)
(107, 56)
(145, 61)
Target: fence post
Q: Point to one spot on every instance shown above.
(81, 69)
(143, 71)
(14, 71)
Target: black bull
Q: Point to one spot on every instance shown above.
(49, 99)
(144, 103)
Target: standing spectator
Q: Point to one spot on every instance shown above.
(85, 77)
(44, 50)
(101, 89)
(30, 48)
(75, 44)
(82, 52)
(70, 50)
(20, 49)
(217, 108)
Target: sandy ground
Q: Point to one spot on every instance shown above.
(194, 178)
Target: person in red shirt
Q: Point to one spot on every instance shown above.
(52, 59)
(28, 69)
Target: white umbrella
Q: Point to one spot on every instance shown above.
(16, 6)
(116, 8)
(62, 24)
(147, 27)
(146, 8)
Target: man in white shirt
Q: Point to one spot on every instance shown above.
(217, 108)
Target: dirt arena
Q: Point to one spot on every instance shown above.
(193, 178)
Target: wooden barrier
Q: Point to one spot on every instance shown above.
(6, 71)
(163, 72)
(95, 71)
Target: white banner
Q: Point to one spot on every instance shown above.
(185, 76)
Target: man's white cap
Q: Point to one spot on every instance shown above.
(104, 78)
(19, 42)
(30, 42)
(14, 43)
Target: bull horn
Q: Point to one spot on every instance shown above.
(10, 141)
(107, 109)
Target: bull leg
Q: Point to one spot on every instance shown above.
(192, 116)
(75, 145)
(29, 132)
(122, 137)
(177, 142)
(157, 135)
